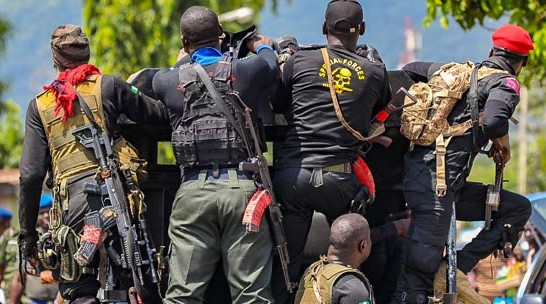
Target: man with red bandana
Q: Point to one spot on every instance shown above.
(50, 146)
(497, 98)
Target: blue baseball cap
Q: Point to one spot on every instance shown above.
(5, 214)
(46, 201)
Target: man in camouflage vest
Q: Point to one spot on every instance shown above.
(335, 278)
(39, 288)
(8, 251)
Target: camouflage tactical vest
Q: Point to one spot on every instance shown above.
(316, 285)
(68, 156)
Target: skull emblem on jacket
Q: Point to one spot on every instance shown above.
(342, 80)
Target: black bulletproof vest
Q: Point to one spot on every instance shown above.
(205, 137)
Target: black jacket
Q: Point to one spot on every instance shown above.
(117, 97)
(317, 138)
(498, 96)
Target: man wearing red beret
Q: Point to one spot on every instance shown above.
(494, 99)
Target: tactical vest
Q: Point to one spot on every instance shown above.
(424, 119)
(316, 285)
(70, 159)
(205, 137)
(68, 156)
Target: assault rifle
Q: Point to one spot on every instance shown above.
(258, 166)
(113, 196)
(492, 200)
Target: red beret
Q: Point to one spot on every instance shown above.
(513, 38)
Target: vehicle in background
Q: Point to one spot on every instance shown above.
(532, 289)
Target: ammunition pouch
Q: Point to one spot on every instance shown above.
(206, 142)
(128, 155)
(56, 251)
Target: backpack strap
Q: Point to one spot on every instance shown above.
(473, 102)
(222, 72)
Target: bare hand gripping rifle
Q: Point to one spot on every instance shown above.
(111, 179)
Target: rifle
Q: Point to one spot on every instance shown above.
(377, 126)
(258, 166)
(111, 188)
(492, 199)
(109, 180)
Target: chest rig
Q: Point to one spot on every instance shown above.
(205, 137)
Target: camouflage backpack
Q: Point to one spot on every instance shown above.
(424, 118)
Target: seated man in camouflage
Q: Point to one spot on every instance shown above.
(335, 278)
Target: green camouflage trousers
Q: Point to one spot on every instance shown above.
(205, 228)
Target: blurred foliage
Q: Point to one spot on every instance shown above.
(11, 132)
(165, 154)
(483, 169)
(5, 28)
(128, 35)
(529, 14)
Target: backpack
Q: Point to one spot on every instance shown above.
(424, 116)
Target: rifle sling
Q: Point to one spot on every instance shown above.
(335, 101)
(88, 112)
(472, 99)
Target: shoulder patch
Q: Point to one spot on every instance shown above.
(513, 84)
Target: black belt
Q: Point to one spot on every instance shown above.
(222, 174)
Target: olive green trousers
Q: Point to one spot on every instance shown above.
(205, 228)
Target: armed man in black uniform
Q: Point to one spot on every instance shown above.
(497, 98)
(50, 145)
(205, 226)
(314, 165)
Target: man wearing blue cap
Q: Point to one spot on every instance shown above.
(8, 250)
(37, 289)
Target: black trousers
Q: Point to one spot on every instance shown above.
(80, 203)
(430, 227)
(300, 192)
(385, 261)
